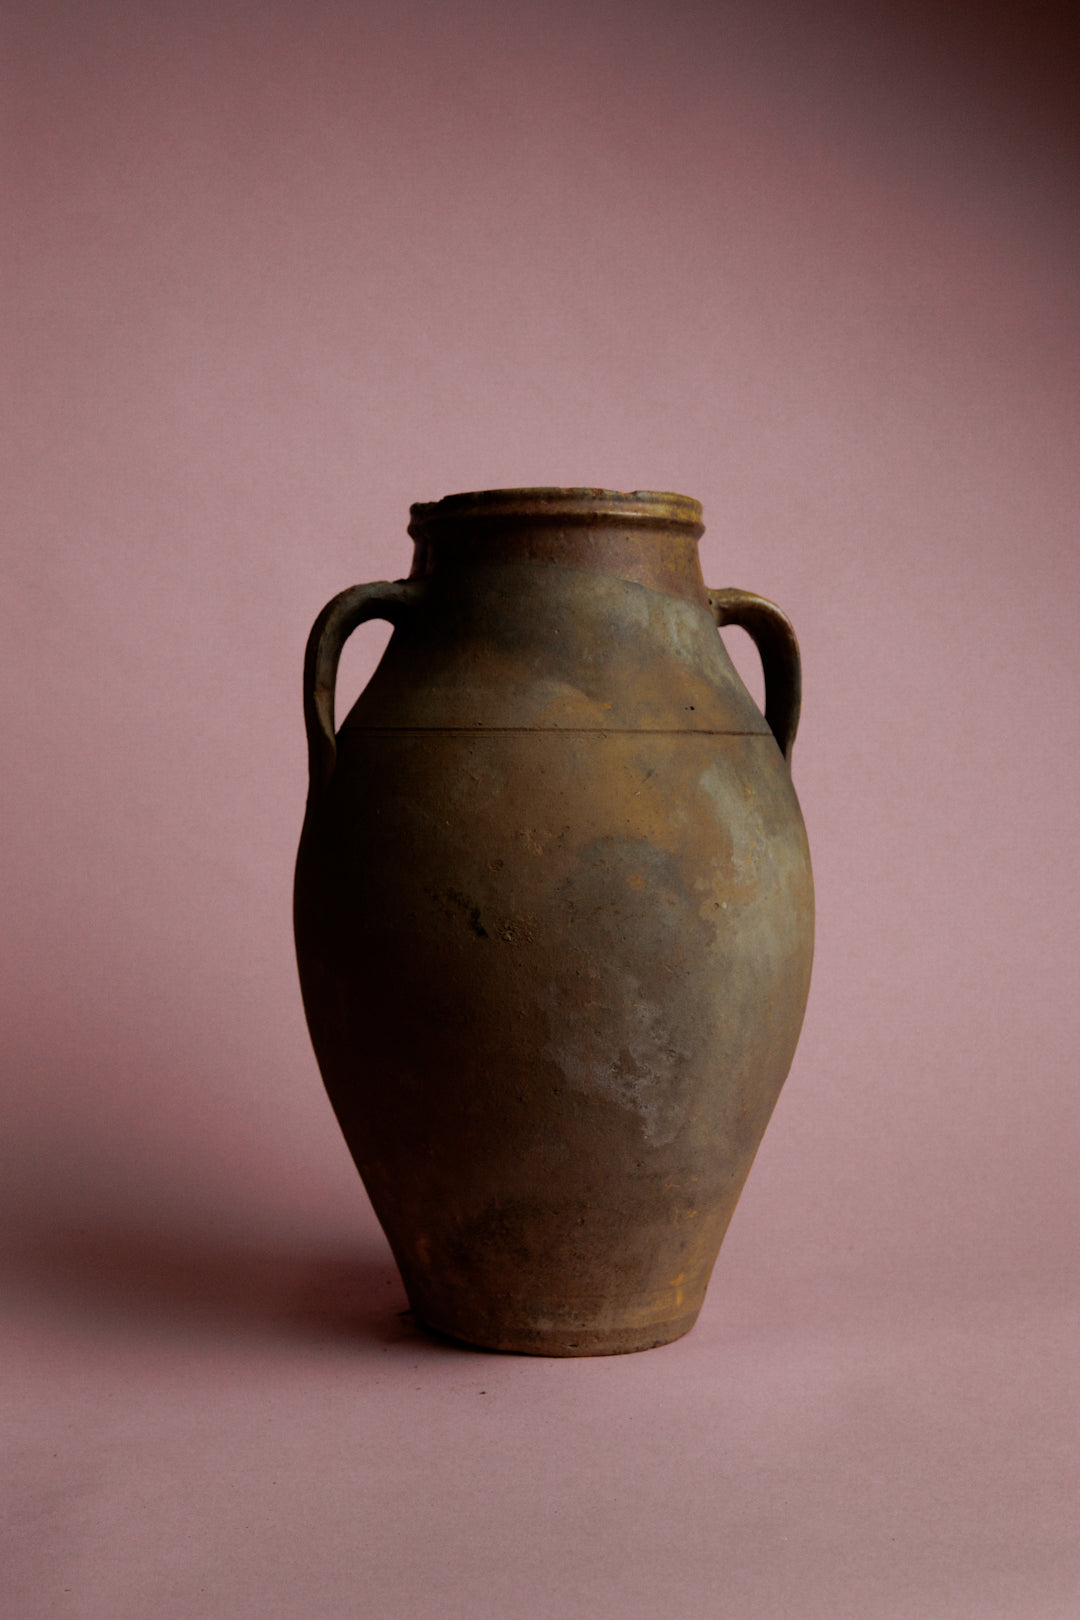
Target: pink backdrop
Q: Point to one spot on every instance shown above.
(278, 269)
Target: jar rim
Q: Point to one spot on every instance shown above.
(544, 504)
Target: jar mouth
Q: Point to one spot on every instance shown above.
(543, 506)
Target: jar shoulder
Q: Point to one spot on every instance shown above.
(538, 646)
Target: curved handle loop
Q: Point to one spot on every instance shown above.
(774, 636)
(389, 600)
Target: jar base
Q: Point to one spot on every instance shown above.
(561, 1342)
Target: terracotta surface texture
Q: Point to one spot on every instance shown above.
(554, 915)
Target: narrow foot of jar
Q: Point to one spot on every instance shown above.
(541, 1340)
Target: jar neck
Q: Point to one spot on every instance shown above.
(646, 537)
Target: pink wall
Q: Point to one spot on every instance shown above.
(277, 270)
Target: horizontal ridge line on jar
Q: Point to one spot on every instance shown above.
(579, 731)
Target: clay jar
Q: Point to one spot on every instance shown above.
(554, 913)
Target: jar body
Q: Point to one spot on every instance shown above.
(554, 925)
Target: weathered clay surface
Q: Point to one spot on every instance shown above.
(554, 924)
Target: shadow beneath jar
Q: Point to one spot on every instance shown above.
(170, 1283)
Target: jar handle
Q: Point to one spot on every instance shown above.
(773, 633)
(389, 600)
